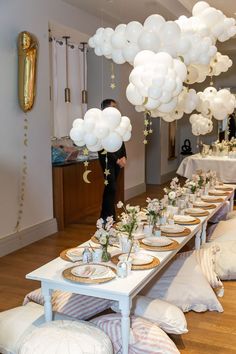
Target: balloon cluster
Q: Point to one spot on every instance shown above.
(200, 124)
(99, 130)
(187, 102)
(218, 25)
(155, 81)
(217, 104)
(219, 64)
(122, 44)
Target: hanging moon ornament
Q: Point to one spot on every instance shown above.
(27, 65)
(85, 176)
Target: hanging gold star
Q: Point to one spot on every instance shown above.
(106, 182)
(85, 151)
(112, 85)
(146, 122)
(145, 132)
(112, 76)
(86, 163)
(107, 172)
(145, 141)
(150, 131)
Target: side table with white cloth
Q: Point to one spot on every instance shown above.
(122, 290)
(224, 166)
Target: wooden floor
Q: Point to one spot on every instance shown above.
(209, 333)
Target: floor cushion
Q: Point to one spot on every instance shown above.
(183, 284)
(167, 316)
(225, 227)
(17, 322)
(221, 214)
(231, 215)
(81, 307)
(66, 337)
(145, 336)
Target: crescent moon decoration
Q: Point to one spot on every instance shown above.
(85, 176)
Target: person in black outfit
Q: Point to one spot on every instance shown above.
(116, 161)
(232, 126)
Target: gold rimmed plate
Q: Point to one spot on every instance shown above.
(70, 274)
(154, 263)
(173, 246)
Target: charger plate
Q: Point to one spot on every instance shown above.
(229, 189)
(205, 213)
(218, 193)
(216, 200)
(186, 232)
(210, 206)
(153, 264)
(173, 246)
(69, 276)
(63, 254)
(194, 222)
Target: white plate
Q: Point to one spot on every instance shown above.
(138, 235)
(209, 197)
(217, 192)
(137, 258)
(195, 210)
(172, 229)
(88, 271)
(201, 204)
(184, 218)
(157, 241)
(75, 253)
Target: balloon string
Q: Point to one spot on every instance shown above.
(23, 176)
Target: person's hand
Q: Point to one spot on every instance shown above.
(121, 162)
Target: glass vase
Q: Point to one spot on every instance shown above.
(106, 256)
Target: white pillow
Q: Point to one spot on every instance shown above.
(225, 262)
(183, 284)
(66, 337)
(18, 321)
(231, 215)
(224, 227)
(78, 306)
(221, 214)
(145, 337)
(167, 316)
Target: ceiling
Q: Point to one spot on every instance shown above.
(124, 11)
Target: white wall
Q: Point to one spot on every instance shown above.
(33, 16)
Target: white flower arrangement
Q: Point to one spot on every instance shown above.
(128, 218)
(154, 209)
(105, 231)
(174, 191)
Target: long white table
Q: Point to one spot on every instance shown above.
(225, 167)
(121, 290)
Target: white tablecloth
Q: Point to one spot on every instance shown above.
(225, 167)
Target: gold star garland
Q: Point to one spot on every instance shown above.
(147, 126)
(23, 176)
(86, 162)
(107, 171)
(112, 84)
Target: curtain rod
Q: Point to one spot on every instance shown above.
(60, 40)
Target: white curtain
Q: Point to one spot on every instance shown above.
(65, 113)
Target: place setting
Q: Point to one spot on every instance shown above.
(212, 199)
(138, 260)
(174, 230)
(196, 212)
(92, 273)
(186, 220)
(159, 243)
(218, 192)
(203, 205)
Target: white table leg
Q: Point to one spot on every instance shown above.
(203, 236)
(198, 239)
(231, 202)
(125, 305)
(47, 294)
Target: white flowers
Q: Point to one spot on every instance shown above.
(172, 195)
(120, 204)
(105, 230)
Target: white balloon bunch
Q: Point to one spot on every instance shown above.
(155, 81)
(219, 26)
(200, 124)
(99, 130)
(217, 104)
(219, 64)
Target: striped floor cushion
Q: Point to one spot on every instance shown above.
(145, 336)
(78, 306)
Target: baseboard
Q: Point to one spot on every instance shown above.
(136, 190)
(168, 176)
(24, 237)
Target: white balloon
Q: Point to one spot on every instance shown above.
(77, 122)
(117, 56)
(101, 130)
(118, 40)
(112, 117)
(151, 103)
(170, 32)
(143, 57)
(77, 133)
(127, 136)
(154, 22)
(129, 51)
(199, 7)
(133, 30)
(79, 142)
(133, 95)
(93, 113)
(90, 139)
(168, 107)
(149, 41)
(89, 124)
(95, 148)
(155, 91)
(112, 142)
